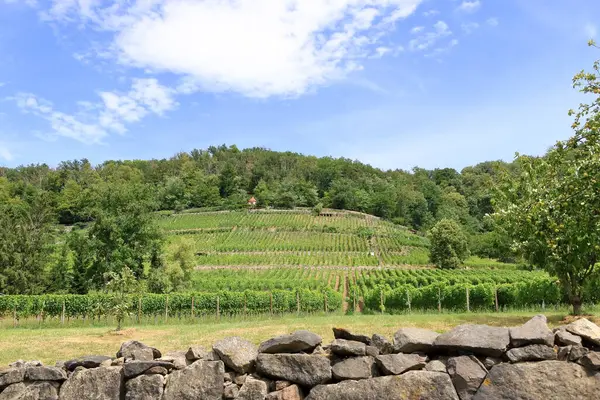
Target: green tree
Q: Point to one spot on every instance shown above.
(121, 286)
(449, 245)
(60, 279)
(82, 260)
(180, 270)
(551, 210)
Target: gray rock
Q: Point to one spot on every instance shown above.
(382, 343)
(31, 391)
(240, 379)
(343, 347)
(134, 368)
(371, 351)
(489, 362)
(134, 350)
(354, 368)
(539, 381)
(34, 363)
(586, 329)
(466, 373)
(105, 383)
(253, 389)
(145, 387)
(60, 364)
(533, 352)
(477, 339)
(237, 353)
(411, 340)
(563, 353)
(411, 385)
(565, 338)
(118, 362)
(591, 361)
(86, 362)
(577, 352)
(45, 374)
(201, 380)
(9, 376)
(196, 353)
(435, 366)
(106, 363)
(282, 384)
(156, 371)
(534, 331)
(292, 392)
(396, 364)
(228, 376)
(231, 391)
(17, 364)
(341, 333)
(177, 358)
(299, 341)
(307, 370)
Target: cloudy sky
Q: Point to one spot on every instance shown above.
(393, 83)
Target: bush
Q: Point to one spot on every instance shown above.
(449, 245)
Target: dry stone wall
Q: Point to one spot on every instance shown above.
(469, 362)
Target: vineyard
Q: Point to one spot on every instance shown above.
(298, 238)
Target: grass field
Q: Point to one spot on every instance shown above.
(51, 344)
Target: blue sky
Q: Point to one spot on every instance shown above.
(393, 83)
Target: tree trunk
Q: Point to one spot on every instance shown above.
(576, 303)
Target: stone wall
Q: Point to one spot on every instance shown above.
(468, 362)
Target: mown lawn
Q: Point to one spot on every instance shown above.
(49, 344)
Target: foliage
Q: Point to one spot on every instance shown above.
(449, 246)
(121, 286)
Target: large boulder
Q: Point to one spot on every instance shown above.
(345, 348)
(106, 383)
(577, 352)
(237, 353)
(201, 380)
(145, 387)
(31, 391)
(382, 344)
(134, 350)
(410, 340)
(86, 362)
(477, 339)
(533, 352)
(354, 368)
(534, 331)
(396, 364)
(466, 373)
(586, 329)
(539, 381)
(299, 341)
(292, 392)
(9, 376)
(411, 385)
(134, 368)
(253, 389)
(566, 338)
(307, 370)
(45, 374)
(341, 333)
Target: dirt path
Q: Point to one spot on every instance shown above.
(337, 283)
(345, 293)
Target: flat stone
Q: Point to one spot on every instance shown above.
(145, 387)
(196, 353)
(86, 362)
(10, 376)
(382, 343)
(341, 333)
(299, 341)
(435, 366)
(591, 360)
(354, 368)
(292, 392)
(343, 347)
(534, 331)
(177, 358)
(237, 353)
(419, 385)
(586, 329)
(566, 338)
(396, 364)
(134, 368)
(105, 383)
(42, 390)
(533, 352)
(539, 380)
(412, 340)
(253, 389)
(304, 369)
(45, 374)
(476, 339)
(134, 350)
(156, 371)
(200, 380)
(466, 373)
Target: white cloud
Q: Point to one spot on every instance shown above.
(429, 39)
(5, 153)
(417, 29)
(381, 51)
(469, 27)
(442, 50)
(430, 13)
(259, 48)
(492, 21)
(92, 122)
(590, 30)
(469, 6)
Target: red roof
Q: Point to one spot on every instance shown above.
(252, 200)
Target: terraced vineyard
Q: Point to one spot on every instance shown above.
(297, 238)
